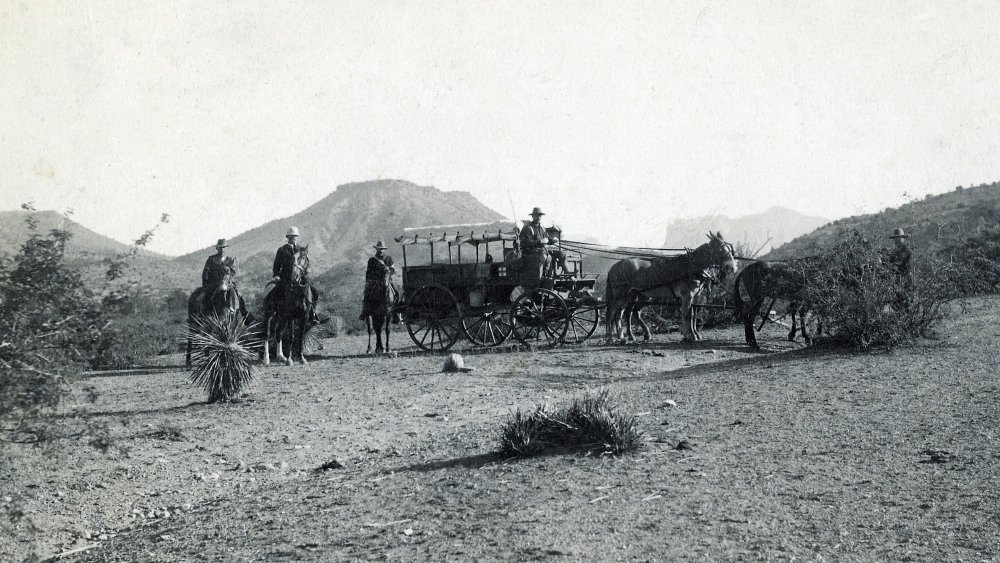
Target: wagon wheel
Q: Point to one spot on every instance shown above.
(487, 328)
(583, 321)
(432, 318)
(540, 317)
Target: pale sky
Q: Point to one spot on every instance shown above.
(615, 117)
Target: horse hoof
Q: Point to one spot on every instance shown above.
(304, 361)
(288, 361)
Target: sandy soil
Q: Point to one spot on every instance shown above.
(804, 454)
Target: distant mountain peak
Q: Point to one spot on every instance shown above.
(757, 231)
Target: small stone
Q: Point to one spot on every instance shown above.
(669, 403)
(102, 537)
(408, 531)
(284, 466)
(453, 363)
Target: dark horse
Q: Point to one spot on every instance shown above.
(287, 310)
(633, 283)
(221, 301)
(378, 307)
(768, 282)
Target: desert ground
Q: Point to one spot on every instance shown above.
(793, 454)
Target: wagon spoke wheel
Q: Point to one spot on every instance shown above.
(540, 317)
(487, 328)
(433, 318)
(583, 321)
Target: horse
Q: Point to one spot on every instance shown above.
(287, 311)
(222, 300)
(633, 283)
(378, 308)
(762, 281)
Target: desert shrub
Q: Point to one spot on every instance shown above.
(855, 285)
(49, 325)
(590, 424)
(223, 350)
(130, 341)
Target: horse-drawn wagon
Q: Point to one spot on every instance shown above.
(487, 301)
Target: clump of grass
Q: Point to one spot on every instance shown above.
(590, 425)
(222, 351)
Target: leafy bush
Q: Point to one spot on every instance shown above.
(856, 286)
(591, 424)
(49, 325)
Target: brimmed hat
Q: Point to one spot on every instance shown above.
(380, 245)
(292, 232)
(536, 211)
(898, 233)
(221, 243)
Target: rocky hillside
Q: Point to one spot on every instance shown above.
(763, 231)
(933, 221)
(85, 242)
(342, 227)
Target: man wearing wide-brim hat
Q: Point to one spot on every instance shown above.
(217, 267)
(901, 257)
(534, 237)
(380, 293)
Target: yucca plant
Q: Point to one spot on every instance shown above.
(590, 425)
(222, 355)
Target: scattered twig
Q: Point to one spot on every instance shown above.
(74, 551)
(599, 498)
(384, 524)
(651, 497)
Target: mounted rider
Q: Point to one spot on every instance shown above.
(379, 288)
(217, 268)
(535, 240)
(284, 272)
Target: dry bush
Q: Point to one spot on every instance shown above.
(856, 287)
(590, 425)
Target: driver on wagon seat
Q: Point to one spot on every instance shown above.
(533, 240)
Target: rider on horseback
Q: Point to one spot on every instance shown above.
(378, 282)
(213, 275)
(284, 272)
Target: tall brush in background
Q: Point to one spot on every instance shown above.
(223, 349)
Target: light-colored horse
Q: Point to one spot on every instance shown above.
(633, 283)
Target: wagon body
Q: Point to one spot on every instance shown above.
(487, 302)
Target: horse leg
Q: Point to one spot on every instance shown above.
(266, 357)
(386, 326)
(792, 310)
(300, 339)
(368, 325)
(279, 343)
(377, 320)
(646, 333)
(687, 335)
(748, 321)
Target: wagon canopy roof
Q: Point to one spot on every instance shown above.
(462, 233)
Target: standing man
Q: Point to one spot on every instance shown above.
(217, 267)
(901, 257)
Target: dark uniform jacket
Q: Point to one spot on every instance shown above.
(214, 272)
(284, 263)
(377, 269)
(533, 237)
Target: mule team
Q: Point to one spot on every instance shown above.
(633, 283)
